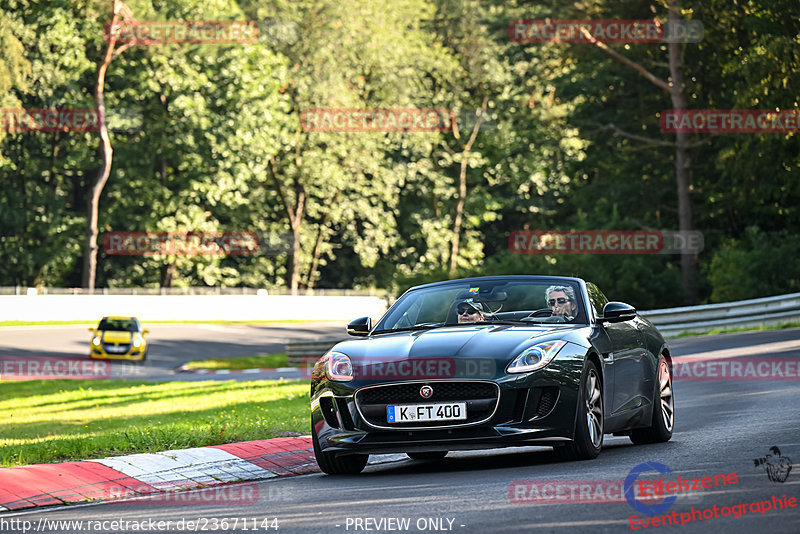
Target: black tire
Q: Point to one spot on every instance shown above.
(434, 455)
(344, 465)
(586, 444)
(663, 419)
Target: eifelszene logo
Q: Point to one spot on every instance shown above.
(635, 503)
(776, 465)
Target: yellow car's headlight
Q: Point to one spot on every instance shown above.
(96, 340)
(137, 340)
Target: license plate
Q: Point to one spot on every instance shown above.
(441, 411)
(116, 350)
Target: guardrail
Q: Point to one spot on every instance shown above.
(671, 322)
(33, 291)
(767, 311)
(153, 308)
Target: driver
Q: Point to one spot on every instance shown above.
(562, 302)
(470, 312)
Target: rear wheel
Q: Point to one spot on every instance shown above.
(344, 465)
(663, 419)
(434, 455)
(588, 436)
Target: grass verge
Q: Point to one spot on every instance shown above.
(734, 330)
(55, 420)
(264, 361)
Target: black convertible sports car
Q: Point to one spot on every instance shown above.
(492, 362)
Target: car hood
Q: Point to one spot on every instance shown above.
(474, 352)
(479, 341)
(116, 336)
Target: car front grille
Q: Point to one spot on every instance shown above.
(481, 399)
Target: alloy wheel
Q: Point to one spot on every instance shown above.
(665, 387)
(594, 408)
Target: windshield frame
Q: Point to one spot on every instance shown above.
(587, 317)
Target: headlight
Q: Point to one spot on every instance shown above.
(535, 357)
(338, 367)
(95, 340)
(137, 341)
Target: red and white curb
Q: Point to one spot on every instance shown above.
(234, 371)
(149, 473)
(138, 474)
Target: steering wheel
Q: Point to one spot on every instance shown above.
(544, 312)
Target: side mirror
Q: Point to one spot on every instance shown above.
(91, 329)
(145, 332)
(617, 312)
(360, 327)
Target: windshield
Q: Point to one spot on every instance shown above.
(125, 325)
(501, 301)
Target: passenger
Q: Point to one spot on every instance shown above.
(470, 312)
(562, 302)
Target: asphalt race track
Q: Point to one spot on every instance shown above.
(171, 345)
(721, 427)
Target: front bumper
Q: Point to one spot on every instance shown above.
(135, 354)
(531, 408)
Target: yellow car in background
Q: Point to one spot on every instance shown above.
(119, 338)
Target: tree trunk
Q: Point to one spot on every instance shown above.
(457, 220)
(462, 187)
(682, 161)
(311, 278)
(321, 236)
(677, 92)
(295, 214)
(167, 274)
(294, 260)
(93, 197)
(106, 152)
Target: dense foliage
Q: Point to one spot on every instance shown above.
(567, 137)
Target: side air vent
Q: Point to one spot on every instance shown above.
(344, 413)
(547, 401)
(328, 411)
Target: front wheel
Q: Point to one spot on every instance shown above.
(588, 436)
(344, 465)
(663, 420)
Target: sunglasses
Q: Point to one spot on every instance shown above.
(561, 300)
(467, 311)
